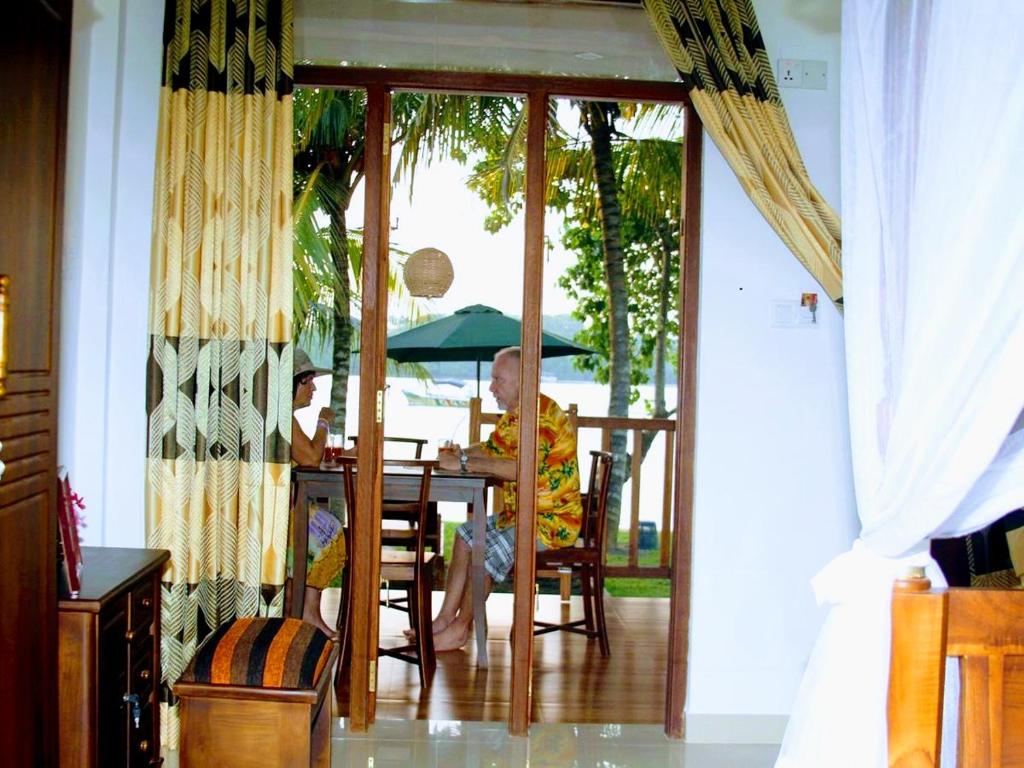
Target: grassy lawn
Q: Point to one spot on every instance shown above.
(616, 587)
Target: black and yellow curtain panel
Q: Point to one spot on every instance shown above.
(716, 47)
(220, 353)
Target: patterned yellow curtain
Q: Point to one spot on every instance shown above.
(220, 357)
(716, 47)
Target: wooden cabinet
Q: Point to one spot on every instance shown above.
(109, 660)
(35, 40)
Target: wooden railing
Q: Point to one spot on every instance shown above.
(637, 426)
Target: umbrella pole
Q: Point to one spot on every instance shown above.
(478, 377)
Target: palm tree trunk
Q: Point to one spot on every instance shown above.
(598, 120)
(342, 343)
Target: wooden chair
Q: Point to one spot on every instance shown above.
(406, 536)
(984, 628)
(416, 442)
(477, 419)
(344, 620)
(412, 569)
(586, 558)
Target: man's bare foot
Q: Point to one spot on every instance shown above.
(451, 638)
(438, 625)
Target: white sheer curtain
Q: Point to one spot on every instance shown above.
(933, 260)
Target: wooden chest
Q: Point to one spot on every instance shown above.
(109, 660)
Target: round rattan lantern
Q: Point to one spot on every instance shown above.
(428, 273)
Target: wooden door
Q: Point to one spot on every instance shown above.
(34, 49)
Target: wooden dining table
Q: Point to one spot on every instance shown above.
(400, 484)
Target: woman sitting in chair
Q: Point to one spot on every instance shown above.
(326, 551)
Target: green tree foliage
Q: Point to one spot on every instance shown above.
(585, 282)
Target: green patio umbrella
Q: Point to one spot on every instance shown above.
(475, 333)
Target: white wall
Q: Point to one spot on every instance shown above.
(774, 496)
(114, 91)
(774, 499)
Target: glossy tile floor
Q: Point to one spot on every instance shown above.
(415, 743)
(446, 743)
(461, 720)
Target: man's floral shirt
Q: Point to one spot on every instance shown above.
(559, 510)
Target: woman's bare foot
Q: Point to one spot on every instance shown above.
(451, 638)
(318, 622)
(311, 614)
(437, 626)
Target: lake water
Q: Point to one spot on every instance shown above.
(438, 423)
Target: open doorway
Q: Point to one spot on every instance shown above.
(465, 692)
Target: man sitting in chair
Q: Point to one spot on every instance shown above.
(559, 509)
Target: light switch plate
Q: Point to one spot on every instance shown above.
(815, 75)
(784, 313)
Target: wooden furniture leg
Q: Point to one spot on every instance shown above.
(300, 548)
(479, 512)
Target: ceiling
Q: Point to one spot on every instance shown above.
(583, 38)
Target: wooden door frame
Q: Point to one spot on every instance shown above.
(537, 89)
(365, 555)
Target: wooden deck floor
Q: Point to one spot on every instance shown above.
(572, 682)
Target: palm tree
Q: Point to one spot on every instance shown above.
(598, 119)
(328, 165)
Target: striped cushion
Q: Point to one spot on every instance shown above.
(268, 653)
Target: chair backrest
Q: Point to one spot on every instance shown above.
(414, 510)
(985, 629)
(595, 506)
(347, 464)
(416, 442)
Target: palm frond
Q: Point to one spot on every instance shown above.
(664, 119)
(513, 156)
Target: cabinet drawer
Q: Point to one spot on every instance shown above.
(143, 601)
(142, 751)
(141, 675)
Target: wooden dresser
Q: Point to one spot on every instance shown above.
(109, 660)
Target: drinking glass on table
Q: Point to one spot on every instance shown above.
(334, 449)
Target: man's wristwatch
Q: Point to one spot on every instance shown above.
(463, 462)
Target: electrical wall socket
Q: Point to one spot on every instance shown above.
(802, 73)
(791, 73)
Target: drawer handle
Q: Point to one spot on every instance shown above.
(144, 675)
(129, 635)
(147, 602)
(144, 745)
